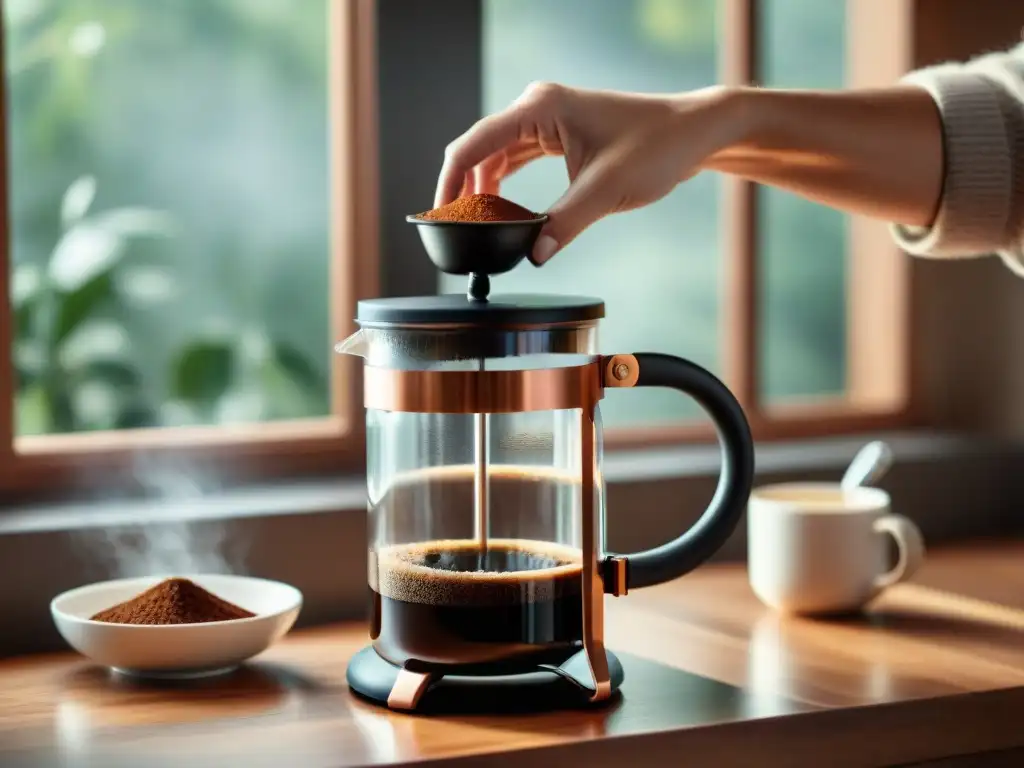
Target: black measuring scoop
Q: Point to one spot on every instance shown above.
(478, 248)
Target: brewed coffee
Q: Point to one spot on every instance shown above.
(448, 602)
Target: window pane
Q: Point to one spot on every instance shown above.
(802, 245)
(169, 201)
(656, 268)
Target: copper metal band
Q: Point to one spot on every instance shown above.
(535, 389)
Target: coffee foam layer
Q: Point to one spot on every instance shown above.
(397, 572)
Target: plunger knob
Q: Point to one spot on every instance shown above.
(479, 286)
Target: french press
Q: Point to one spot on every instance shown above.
(487, 564)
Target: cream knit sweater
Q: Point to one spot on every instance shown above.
(982, 207)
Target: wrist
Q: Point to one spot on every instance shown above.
(719, 123)
(742, 118)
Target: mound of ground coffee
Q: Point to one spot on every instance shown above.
(479, 208)
(173, 601)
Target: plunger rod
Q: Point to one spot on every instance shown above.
(480, 495)
(480, 489)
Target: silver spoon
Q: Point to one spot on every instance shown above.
(868, 466)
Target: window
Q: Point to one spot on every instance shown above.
(801, 247)
(176, 265)
(192, 209)
(167, 173)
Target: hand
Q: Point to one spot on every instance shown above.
(622, 151)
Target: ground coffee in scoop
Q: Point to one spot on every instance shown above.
(480, 207)
(173, 601)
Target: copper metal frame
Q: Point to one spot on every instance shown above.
(408, 689)
(466, 391)
(580, 386)
(614, 371)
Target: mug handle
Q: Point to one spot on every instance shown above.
(709, 533)
(911, 549)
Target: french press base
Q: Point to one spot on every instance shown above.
(487, 567)
(558, 682)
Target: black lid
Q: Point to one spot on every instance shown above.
(526, 309)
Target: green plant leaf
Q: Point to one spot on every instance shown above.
(30, 361)
(95, 405)
(82, 254)
(136, 415)
(78, 305)
(298, 367)
(204, 371)
(114, 373)
(62, 411)
(94, 339)
(32, 412)
(26, 284)
(25, 316)
(77, 199)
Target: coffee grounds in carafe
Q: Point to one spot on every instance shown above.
(448, 602)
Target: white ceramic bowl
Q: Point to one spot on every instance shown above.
(176, 650)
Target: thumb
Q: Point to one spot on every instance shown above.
(587, 200)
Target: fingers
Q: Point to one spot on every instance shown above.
(500, 132)
(489, 136)
(589, 198)
(488, 175)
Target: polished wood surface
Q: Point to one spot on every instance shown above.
(933, 672)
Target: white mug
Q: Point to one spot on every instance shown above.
(816, 548)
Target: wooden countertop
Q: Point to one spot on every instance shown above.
(934, 670)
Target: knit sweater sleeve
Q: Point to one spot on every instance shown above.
(982, 208)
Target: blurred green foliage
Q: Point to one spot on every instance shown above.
(168, 191)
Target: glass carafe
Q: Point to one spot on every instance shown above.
(485, 491)
(456, 578)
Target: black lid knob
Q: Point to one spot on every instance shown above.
(479, 287)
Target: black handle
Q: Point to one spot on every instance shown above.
(710, 532)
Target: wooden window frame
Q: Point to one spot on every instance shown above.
(879, 49)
